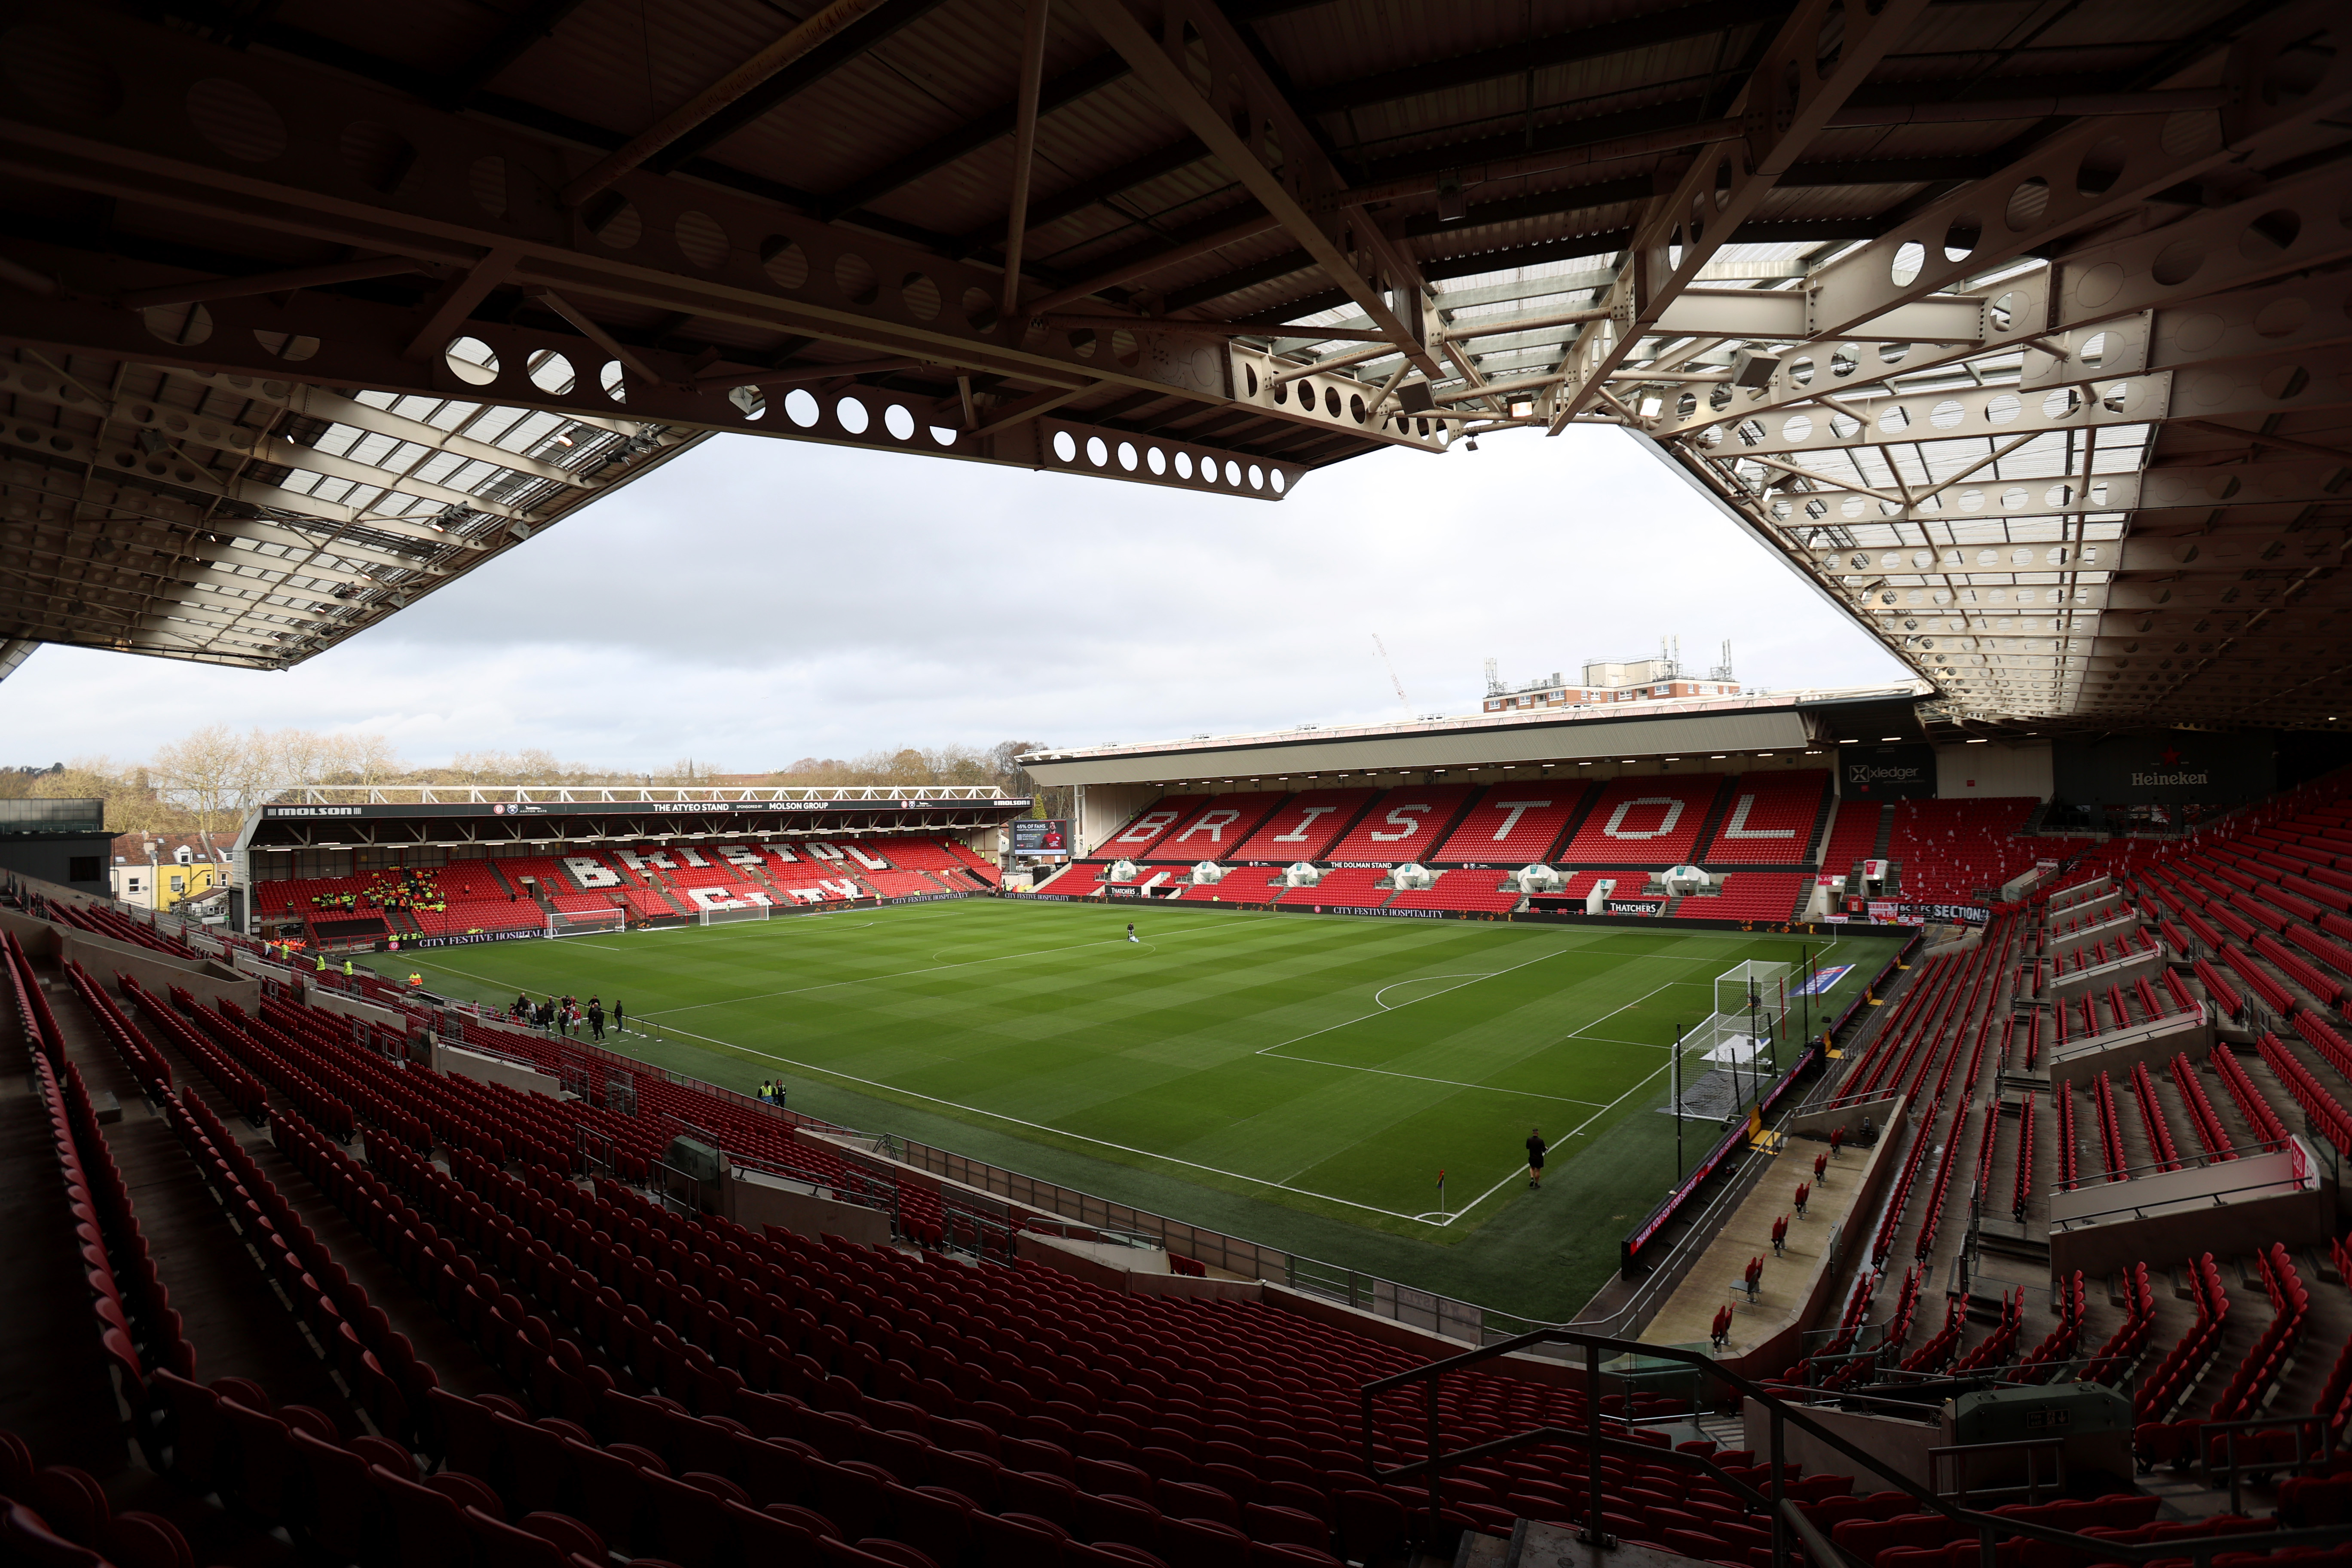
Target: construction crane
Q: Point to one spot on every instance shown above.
(1402, 700)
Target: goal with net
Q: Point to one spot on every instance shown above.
(580, 923)
(719, 917)
(1731, 1058)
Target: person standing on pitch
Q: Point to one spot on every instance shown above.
(620, 1022)
(1130, 932)
(596, 1019)
(1535, 1147)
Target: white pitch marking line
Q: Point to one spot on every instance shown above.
(1039, 1126)
(1171, 1159)
(1285, 1045)
(1637, 1001)
(1450, 1082)
(1394, 984)
(1498, 1187)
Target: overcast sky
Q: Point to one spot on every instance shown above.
(756, 601)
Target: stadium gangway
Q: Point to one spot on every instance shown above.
(1602, 1435)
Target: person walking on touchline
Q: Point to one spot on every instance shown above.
(1535, 1147)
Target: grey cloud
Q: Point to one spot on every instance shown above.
(756, 601)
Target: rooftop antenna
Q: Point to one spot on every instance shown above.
(1402, 701)
(1723, 671)
(1493, 681)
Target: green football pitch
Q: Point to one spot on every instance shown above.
(1298, 1079)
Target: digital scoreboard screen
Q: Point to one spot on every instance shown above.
(1041, 836)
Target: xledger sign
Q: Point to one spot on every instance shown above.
(1886, 772)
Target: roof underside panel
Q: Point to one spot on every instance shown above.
(2016, 343)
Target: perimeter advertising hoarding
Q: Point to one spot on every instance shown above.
(2177, 767)
(1886, 772)
(1041, 836)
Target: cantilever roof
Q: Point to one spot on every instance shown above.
(1971, 310)
(1772, 721)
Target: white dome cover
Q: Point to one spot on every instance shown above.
(1412, 875)
(1538, 878)
(1120, 871)
(1302, 874)
(1208, 874)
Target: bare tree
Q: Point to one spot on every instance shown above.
(213, 772)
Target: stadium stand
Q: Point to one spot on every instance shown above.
(1946, 850)
(951, 862)
(1658, 819)
(655, 880)
(1769, 819)
(1304, 826)
(559, 1409)
(1147, 827)
(1347, 886)
(1241, 885)
(472, 1281)
(1213, 832)
(1401, 826)
(2230, 1355)
(902, 884)
(975, 865)
(555, 883)
(1482, 890)
(1855, 835)
(1630, 880)
(1514, 824)
(1752, 896)
(1078, 879)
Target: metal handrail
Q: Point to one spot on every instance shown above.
(2312, 1425)
(1785, 1516)
(2134, 1210)
(2200, 1160)
(2033, 1447)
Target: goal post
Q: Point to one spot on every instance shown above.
(710, 917)
(1731, 1057)
(584, 921)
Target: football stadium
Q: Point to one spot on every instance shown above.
(1639, 1116)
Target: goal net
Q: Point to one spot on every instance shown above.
(1732, 1058)
(728, 917)
(584, 921)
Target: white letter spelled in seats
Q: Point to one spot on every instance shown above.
(1738, 826)
(1213, 823)
(1516, 809)
(1149, 826)
(1412, 825)
(1298, 834)
(1615, 827)
(590, 873)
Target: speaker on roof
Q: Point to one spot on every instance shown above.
(1414, 398)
